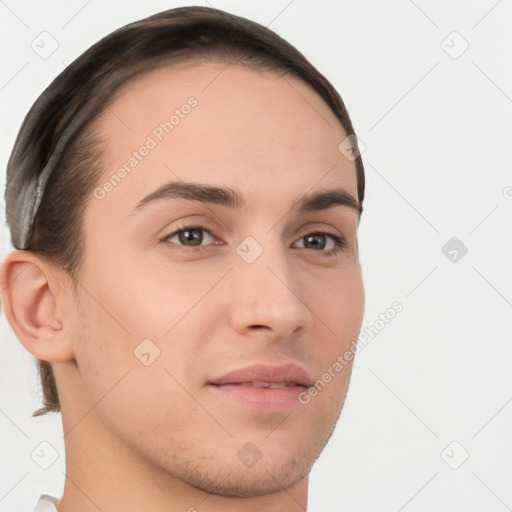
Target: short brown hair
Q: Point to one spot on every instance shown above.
(70, 104)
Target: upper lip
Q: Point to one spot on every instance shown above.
(289, 372)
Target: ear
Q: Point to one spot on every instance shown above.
(30, 300)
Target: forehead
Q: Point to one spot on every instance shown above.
(224, 124)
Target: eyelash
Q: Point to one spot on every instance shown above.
(339, 241)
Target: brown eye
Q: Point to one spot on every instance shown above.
(315, 241)
(318, 241)
(189, 236)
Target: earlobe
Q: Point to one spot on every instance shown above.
(29, 302)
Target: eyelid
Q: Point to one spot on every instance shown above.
(340, 242)
(188, 227)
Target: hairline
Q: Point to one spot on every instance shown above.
(190, 60)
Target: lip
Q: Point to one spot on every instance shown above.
(289, 372)
(235, 386)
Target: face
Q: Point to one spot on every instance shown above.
(177, 293)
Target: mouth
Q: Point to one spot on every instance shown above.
(260, 384)
(262, 387)
(262, 396)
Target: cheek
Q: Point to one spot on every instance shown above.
(145, 318)
(129, 300)
(340, 307)
(132, 393)
(164, 294)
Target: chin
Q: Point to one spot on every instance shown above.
(275, 471)
(251, 481)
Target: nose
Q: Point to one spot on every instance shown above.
(267, 296)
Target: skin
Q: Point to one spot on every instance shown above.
(155, 437)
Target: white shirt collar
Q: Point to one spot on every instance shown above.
(46, 503)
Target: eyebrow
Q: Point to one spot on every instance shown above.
(319, 200)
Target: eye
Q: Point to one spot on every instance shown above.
(189, 236)
(317, 241)
(192, 237)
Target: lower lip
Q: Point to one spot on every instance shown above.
(263, 399)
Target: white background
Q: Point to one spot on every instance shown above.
(437, 131)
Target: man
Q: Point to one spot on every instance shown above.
(184, 202)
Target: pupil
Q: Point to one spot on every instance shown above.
(191, 235)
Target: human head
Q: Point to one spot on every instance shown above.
(62, 129)
(55, 136)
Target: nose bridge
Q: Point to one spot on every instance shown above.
(267, 291)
